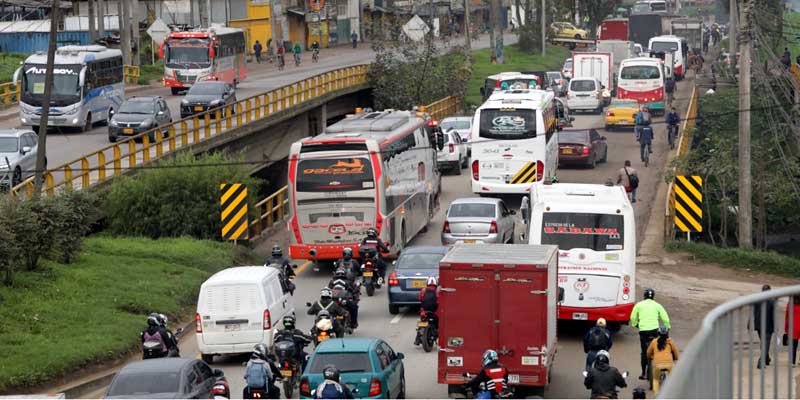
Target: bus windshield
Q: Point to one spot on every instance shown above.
(598, 232)
(519, 83)
(192, 53)
(66, 84)
(507, 123)
(640, 72)
(664, 46)
(334, 175)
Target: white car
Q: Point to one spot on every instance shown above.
(566, 70)
(585, 94)
(18, 148)
(453, 155)
(462, 125)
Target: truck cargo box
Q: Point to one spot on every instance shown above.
(502, 297)
(613, 29)
(643, 27)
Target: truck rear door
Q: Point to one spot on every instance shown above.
(523, 325)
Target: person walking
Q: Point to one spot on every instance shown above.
(786, 59)
(596, 339)
(646, 315)
(354, 38)
(297, 50)
(764, 332)
(794, 335)
(629, 178)
(257, 49)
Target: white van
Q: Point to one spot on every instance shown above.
(585, 94)
(240, 307)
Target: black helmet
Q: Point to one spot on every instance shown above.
(347, 253)
(289, 322)
(663, 331)
(372, 233)
(162, 320)
(325, 292)
(602, 357)
(260, 351)
(277, 251)
(331, 373)
(649, 293)
(152, 320)
(324, 314)
(340, 273)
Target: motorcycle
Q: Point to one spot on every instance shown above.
(221, 389)
(152, 349)
(287, 363)
(322, 330)
(342, 297)
(614, 393)
(427, 331)
(370, 276)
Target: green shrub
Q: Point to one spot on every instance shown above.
(178, 198)
(74, 214)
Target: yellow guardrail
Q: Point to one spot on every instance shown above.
(111, 161)
(273, 208)
(131, 73)
(684, 145)
(10, 93)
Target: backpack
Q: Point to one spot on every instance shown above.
(597, 339)
(632, 179)
(329, 390)
(429, 302)
(156, 337)
(256, 375)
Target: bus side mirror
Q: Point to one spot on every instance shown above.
(439, 139)
(560, 294)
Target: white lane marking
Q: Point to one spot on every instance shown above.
(397, 318)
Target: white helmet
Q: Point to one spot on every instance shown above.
(432, 281)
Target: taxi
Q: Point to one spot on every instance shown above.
(567, 30)
(620, 113)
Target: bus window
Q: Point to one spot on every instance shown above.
(598, 232)
(507, 124)
(640, 72)
(334, 175)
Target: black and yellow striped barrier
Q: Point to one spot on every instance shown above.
(233, 202)
(688, 203)
(526, 174)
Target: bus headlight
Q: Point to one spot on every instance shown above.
(74, 120)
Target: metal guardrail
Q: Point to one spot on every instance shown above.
(719, 361)
(131, 74)
(276, 206)
(10, 93)
(110, 160)
(684, 145)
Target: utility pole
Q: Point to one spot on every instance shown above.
(101, 18)
(745, 212)
(467, 32)
(48, 92)
(134, 14)
(92, 15)
(497, 28)
(733, 28)
(544, 30)
(208, 13)
(124, 31)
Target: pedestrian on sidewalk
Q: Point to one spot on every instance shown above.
(270, 51)
(765, 336)
(354, 38)
(629, 178)
(794, 335)
(257, 49)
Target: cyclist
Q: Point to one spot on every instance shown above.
(663, 353)
(645, 316)
(297, 50)
(673, 120)
(315, 51)
(669, 88)
(645, 139)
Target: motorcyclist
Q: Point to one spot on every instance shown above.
(331, 387)
(603, 379)
(492, 378)
(429, 303)
(260, 374)
(172, 341)
(326, 303)
(596, 339)
(340, 283)
(156, 333)
(373, 242)
(285, 264)
(291, 333)
(645, 316)
(663, 353)
(350, 264)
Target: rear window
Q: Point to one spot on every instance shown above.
(458, 124)
(581, 85)
(419, 260)
(143, 384)
(235, 298)
(568, 64)
(334, 175)
(598, 232)
(507, 123)
(471, 210)
(640, 72)
(519, 83)
(344, 362)
(554, 75)
(572, 137)
(204, 89)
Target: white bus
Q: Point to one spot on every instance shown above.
(678, 46)
(514, 141)
(373, 169)
(642, 79)
(88, 85)
(595, 230)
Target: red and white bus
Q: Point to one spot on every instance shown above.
(642, 79)
(218, 53)
(372, 169)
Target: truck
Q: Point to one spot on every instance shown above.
(613, 29)
(597, 65)
(643, 27)
(515, 313)
(619, 49)
(689, 28)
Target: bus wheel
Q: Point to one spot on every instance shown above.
(88, 125)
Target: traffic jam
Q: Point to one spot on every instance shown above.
(516, 257)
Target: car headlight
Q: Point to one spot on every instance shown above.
(185, 102)
(215, 103)
(147, 122)
(114, 122)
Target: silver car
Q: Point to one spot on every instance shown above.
(462, 125)
(478, 220)
(17, 156)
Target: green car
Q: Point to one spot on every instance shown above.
(366, 364)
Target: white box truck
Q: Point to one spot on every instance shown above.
(619, 49)
(598, 65)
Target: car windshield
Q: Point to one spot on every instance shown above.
(8, 145)
(137, 107)
(471, 210)
(568, 64)
(572, 137)
(640, 72)
(641, 8)
(205, 89)
(419, 260)
(664, 46)
(344, 362)
(144, 384)
(598, 232)
(456, 124)
(581, 85)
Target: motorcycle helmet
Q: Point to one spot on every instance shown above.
(347, 253)
(372, 233)
(432, 281)
(489, 356)
(163, 320)
(324, 314)
(331, 373)
(260, 351)
(152, 320)
(602, 357)
(277, 251)
(663, 331)
(649, 293)
(340, 273)
(601, 322)
(289, 322)
(325, 292)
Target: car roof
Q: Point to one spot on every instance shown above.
(167, 364)
(457, 119)
(143, 98)
(425, 250)
(475, 200)
(241, 275)
(208, 83)
(347, 345)
(580, 193)
(14, 132)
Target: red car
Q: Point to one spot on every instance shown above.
(585, 147)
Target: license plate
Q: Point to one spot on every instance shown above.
(232, 327)
(469, 241)
(567, 151)
(198, 108)
(127, 131)
(368, 274)
(580, 316)
(286, 372)
(417, 284)
(422, 324)
(623, 122)
(513, 379)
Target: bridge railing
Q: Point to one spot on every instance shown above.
(275, 207)
(684, 145)
(112, 160)
(722, 360)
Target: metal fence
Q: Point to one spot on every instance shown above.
(723, 358)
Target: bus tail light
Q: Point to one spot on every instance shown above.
(446, 227)
(539, 170)
(585, 150)
(452, 148)
(493, 227)
(475, 170)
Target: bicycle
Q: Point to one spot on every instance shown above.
(646, 154)
(315, 56)
(281, 63)
(672, 133)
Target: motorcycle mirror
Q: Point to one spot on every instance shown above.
(625, 375)
(308, 304)
(294, 266)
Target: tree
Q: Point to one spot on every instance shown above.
(597, 11)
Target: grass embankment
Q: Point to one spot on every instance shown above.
(791, 30)
(768, 262)
(515, 60)
(9, 62)
(64, 317)
(150, 72)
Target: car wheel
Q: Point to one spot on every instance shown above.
(16, 177)
(207, 358)
(593, 163)
(457, 168)
(152, 135)
(88, 125)
(402, 394)
(175, 91)
(394, 309)
(464, 163)
(112, 138)
(605, 156)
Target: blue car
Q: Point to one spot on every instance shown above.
(411, 272)
(367, 364)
